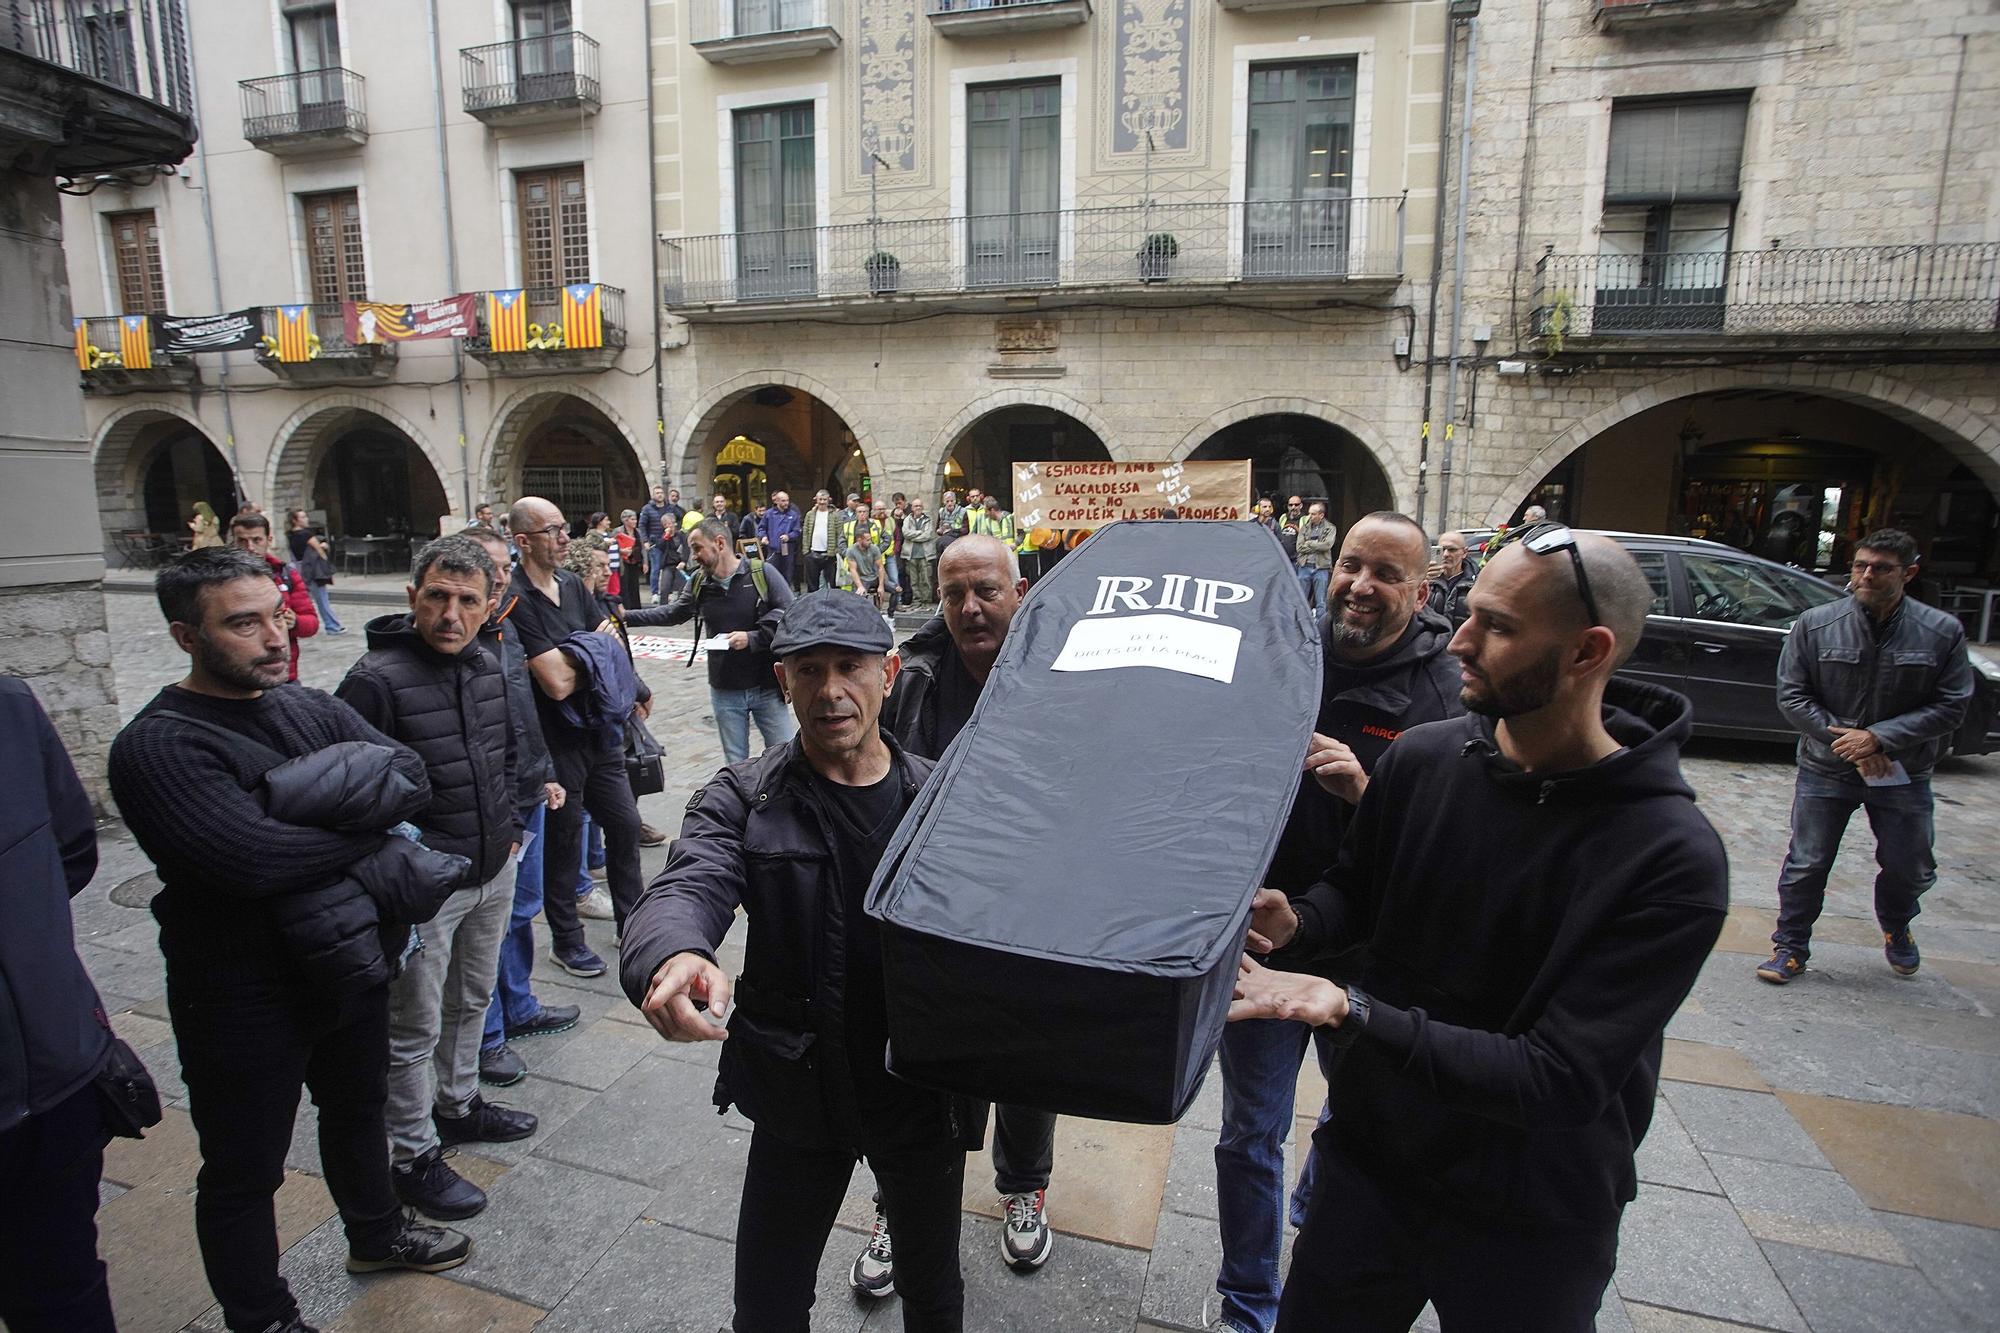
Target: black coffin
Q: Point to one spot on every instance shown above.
(1063, 908)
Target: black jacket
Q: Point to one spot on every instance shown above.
(1522, 969)
(1447, 595)
(757, 836)
(1910, 687)
(1365, 706)
(53, 1033)
(453, 711)
(533, 769)
(911, 713)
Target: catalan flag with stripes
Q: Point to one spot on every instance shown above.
(507, 320)
(82, 345)
(135, 342)
(295, 332)
(582, 315)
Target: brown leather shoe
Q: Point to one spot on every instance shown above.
(651, 837)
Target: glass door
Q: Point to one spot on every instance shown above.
(1662, 266)
(547, 60)
(1012, 183)
(1301, 156)
(315, 39)
(754, 17)
(775, 212)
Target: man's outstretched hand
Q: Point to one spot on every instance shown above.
(1273, 923)
(1263, 993)
(670, 1004)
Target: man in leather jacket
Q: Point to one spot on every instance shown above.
(793, 836)
(1875, 685)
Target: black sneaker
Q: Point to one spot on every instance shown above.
(500, 1067)
(484, 1122)
(579, 962)
(430, 1186)
(552, 1018)
(418, 1247)
(1900, 947)
(874, 1271)
(295, 1324)
(1782, 967)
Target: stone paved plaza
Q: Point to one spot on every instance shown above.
(1824, 1157)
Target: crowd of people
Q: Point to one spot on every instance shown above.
(350, 881)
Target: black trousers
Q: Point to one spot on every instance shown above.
(786, 563)
(595, 781)
(819, 572)
(51, 1280)
(1365, 1263)
(245, 1053)
(1024, 1149)
(791, 1196)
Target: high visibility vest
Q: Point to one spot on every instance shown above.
(1001, 527)
(848, 529)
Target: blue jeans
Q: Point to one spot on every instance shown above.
(733, 710)
(513, 1001)
(1260, 1066)
(322, 602)
(592, 858)
(1312, 582)
(1821, 807)
(895, 564)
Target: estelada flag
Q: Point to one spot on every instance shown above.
(507, 320)
(295, 333)
(582, 315)
(135, 342)
(82, 334)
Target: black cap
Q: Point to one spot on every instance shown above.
(832, 617)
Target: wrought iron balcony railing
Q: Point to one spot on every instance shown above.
(140, 48)
(1276, 241)
(542, 325)
(313, 105)
(1833, 291)
(504, 80)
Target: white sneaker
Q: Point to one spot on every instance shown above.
(1025, 1238)
(596, 905)
(874, 1270)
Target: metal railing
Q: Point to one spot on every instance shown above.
(1286, 240)
(139, 46)
(544, 319)
(1845, 289)
(557, 68)
(105, 345)
(973, 6)
(720, 20)
(328, 321)
(314, 101)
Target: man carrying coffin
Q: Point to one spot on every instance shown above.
(793, 836)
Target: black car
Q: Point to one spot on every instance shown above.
(1718, 623)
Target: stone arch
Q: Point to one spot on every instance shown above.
(1971, 439)
(303, 438)
(500, 456)
(941, 445)
(707, 411)
(1384, 456)
(111, 454)
(126, 445)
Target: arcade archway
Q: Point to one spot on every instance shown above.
(1291, 454)
(776, 437)
(985, 452)
(359, 473)
(152, 466)
(568, 447)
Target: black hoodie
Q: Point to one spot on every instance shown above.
(1523, 970)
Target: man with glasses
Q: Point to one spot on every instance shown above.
(1506, 987)
(1875, 685)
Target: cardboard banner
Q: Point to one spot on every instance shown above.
(237, 330)
(1090, 495)
(384, 321)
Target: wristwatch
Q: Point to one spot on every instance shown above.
(1359, 1006)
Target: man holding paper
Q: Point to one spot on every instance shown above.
(1875, 685)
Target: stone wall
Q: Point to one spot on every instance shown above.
(53, 637)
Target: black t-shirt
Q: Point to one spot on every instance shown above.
(301, 539)
(542, 626)
(864, 819)
(957, 696)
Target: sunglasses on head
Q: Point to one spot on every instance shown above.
(1547, 539)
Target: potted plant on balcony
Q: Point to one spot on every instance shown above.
(883, 270)
(1156, 256)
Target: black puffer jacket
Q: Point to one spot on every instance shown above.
(453, 711)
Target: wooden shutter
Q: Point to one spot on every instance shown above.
(135, 244)
(334, 255)
(555, 227)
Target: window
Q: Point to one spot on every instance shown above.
(1301, 169)
(1670, 193)
(1013, 187)
(102, 33)
(335, 263)
(1737, 592)
(135, 249)
(776, 155)
(577, 491)
(555, 227)
(1654, 566)
(548, 57)
(762, 16)
(312, 31)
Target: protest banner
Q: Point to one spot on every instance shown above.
(1090, 495)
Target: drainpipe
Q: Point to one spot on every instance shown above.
(658, 306)
(215, 275)
(1437, 262)
(1458, 275)
(450, 252)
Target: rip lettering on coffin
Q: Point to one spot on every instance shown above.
(1174, 627)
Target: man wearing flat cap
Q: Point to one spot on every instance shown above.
(793, 837)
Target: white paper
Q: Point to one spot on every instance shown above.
(527, 841)
(1173, 643)
(1897, 776)
(716, 644)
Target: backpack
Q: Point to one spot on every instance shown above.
(700, 579)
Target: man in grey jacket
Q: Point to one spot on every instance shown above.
(1875, 685)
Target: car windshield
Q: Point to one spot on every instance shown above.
(1741, 592)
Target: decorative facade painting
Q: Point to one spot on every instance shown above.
(1153, 75)
(886, 58)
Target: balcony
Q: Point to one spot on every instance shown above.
(116, 359)
(981, 18)
(1139, 253)
(1866, 296)
(1283, 4)
(317, 351)
(92, 86)
(743, 32)
(295, 115)
(1650, 15)
(549, 330)
(532, 81)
